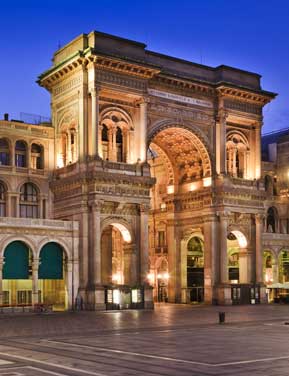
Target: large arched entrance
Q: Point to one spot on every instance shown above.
(119, 268)
(17, 274)
(52, 276)
(180, 163)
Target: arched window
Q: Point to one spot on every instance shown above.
(4, 152)
(272, 219)
(20, 154)
(2, 200)
(115, 135)
(119, 146)
(36, 156)
(104, 141)
(29, 201)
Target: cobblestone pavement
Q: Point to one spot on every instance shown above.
(173, 340)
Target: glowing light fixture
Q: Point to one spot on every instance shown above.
(116, 296)
(192, 187)
(59, 161)
(117, 278)
(207, 182)
(170, 189)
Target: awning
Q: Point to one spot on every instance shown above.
(16, 261)
(51, 262)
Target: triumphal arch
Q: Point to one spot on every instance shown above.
(159, 160)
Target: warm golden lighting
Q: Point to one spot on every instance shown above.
(124, 232)
(163, 276)
(193, 187)
(117, 278)
(207, 182)
(170, 189)
(59, 162)
(151, 278)
(241, 238)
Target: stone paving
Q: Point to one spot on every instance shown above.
(173, 340)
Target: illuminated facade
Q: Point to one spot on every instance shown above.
(155, 164)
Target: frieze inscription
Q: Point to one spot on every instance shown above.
(179, 113)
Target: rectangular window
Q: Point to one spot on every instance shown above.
(2, 209)
(20, 160)
(4, 158)
(24, 297)
(5, 298)
(161, 239)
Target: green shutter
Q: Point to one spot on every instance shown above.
(16, 258)
(51, 262)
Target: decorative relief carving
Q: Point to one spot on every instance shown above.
(121, 80)
(69, 85)
(178, 112)
(243, 107)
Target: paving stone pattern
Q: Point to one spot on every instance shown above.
(172, 340)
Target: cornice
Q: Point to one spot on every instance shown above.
(245, 95)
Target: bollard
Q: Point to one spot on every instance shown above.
(221, 317)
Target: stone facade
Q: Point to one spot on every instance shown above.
(159, 162)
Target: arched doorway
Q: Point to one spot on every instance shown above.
(17, 274)
(117, 256)
(119, 268)
(52, 276)
(195, 269)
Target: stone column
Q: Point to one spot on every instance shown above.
(223, 228)
(96, 249)
(1, 279)
(35, 268)
(17, 209)
(274, 269)
(144, 243)
(221, 159)
(245, 262)
(259, 248)
(174, 263)
(143, 130)
(68, 147)
(100, 153)
(234, 152)
(82, 117)
(210, 257)
(258, 150)
(12, 154)
(130, 267)
(131, 147)
(69, 284)
(28, 156)
(94, 121)
(96, 299)
(106, 259)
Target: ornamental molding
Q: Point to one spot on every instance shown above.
(243, 106)
(244, 95)
(119, 79)
(187, 86)
(67, 85)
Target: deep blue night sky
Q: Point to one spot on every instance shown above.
(251, 35)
